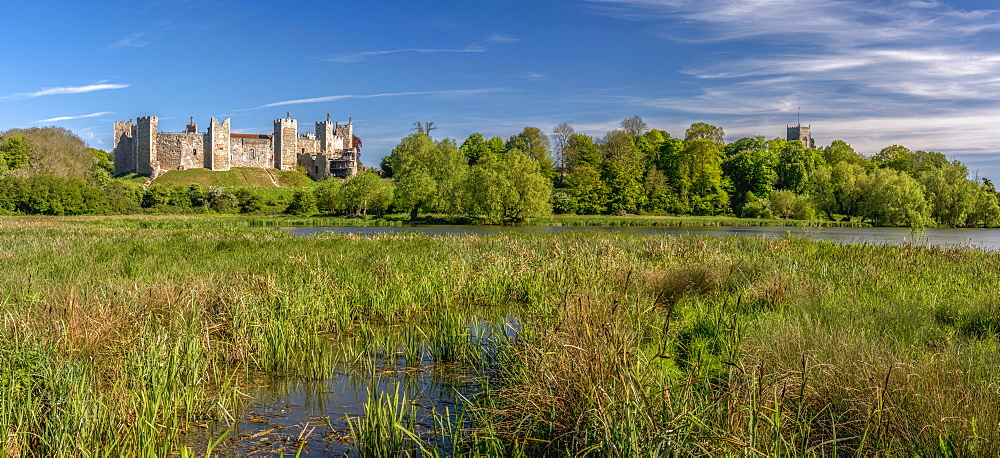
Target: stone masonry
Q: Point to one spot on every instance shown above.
(329, 152)
(802, 134)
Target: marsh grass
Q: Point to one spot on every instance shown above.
(116, 339)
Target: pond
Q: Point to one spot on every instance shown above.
(983, 239)
(426, 383)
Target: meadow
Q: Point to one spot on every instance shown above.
(118, 337)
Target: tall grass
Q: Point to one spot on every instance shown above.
(119, 340)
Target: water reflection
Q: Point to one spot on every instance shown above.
(293, 415)
(290, 414)
(984, 239)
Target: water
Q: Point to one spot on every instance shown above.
(289, 412)
(983, 239)
(293, 415)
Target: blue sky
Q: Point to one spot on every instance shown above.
(923, 74)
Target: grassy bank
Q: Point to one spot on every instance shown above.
(207, 221)
(684, 221)
(237, 177)
(116, 339)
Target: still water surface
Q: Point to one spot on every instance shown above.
(984, 239)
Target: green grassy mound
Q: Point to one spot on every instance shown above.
(237, 177)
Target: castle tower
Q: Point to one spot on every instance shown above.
(145, 145)
(217, 151)
(285, 143)
(324, 132)
(344, 136)
(802, 134)
(124, 152)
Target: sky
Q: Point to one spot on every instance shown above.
(923, 74)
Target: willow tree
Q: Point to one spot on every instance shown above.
(507, 188)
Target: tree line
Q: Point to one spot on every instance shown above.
(635, 169)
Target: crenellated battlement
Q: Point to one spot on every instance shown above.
(141, 148)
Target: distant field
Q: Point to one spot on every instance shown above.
(237, 177)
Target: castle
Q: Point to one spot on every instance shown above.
(333, 151)
(800, 133)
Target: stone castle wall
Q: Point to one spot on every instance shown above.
(140, 148)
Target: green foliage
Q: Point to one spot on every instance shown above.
(248, 201)
(840, 151)
(894, 198)
(696, 173)
(507, 189)
(795, 164)
(701, 130)
(50, 150)
(587, 191)
(368, 191)
(303, 203)
(428, 174)
(624, 166)
(535, 144)
(15, 152)
(750, 166)
(475, 148)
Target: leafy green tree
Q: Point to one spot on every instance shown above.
(587, 190)
(749, 164)
(533, 142)
(696, 173)
(893, 198)
(841, 151)
(582, 150)
(795, 164)
(782, 203)
(249, 201)
(428, 174)
(475, 148)
(15, 152)
(330, 196)
(839, 188)
(951, 195)
(700, 130)
(368, 191)
(624, 167)
(303, 203)
(659, 196)
(415, 190)
(509, 188)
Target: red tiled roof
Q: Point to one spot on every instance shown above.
(250, 136)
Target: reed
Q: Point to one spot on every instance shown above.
(119, 338)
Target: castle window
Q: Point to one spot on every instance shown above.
(252, 156)
(196, 151)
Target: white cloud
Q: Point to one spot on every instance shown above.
(360, 56)
(531, 76)
(136, 40)
(68, 90)
(334, 98)
(500, 38)
(67, 118)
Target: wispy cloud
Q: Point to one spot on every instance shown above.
(136, 40)
(67, 118)
(532, 76)
(102, 86)
(360, 56)
(334, 98)
(500, 38)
